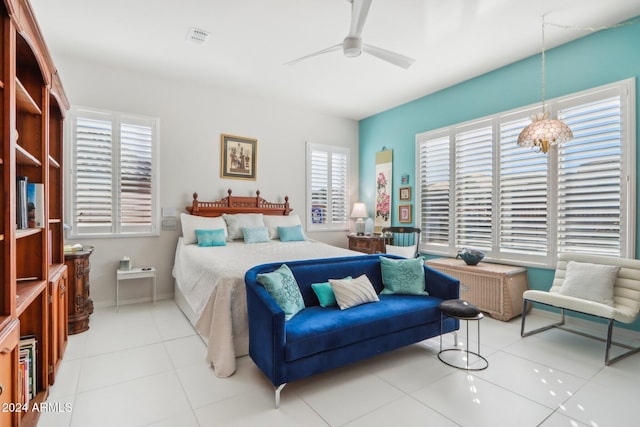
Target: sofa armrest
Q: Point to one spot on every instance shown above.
(441, 285)
(266, 329)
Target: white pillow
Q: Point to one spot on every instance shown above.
(274, 221)
(593, 282)
(236, 222)
(403, 251)
(191, 223)
(350, 293)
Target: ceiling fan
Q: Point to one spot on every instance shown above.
(352, 45)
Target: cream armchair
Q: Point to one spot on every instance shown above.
(582, 287)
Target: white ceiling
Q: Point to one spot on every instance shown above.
(452, 41)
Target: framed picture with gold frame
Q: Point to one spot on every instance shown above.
(238, 157)
(405, 194)
(404, 213)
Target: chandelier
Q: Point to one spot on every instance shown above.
(544, 132)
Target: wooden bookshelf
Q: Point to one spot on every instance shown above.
(33, 289)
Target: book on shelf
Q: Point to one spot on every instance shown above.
(35, 205)
(22, 218)
(27, 358)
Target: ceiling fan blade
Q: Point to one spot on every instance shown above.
(386, 55)
(359, 11)
(311, 55)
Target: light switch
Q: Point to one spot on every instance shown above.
(170, 224)
(169, 212)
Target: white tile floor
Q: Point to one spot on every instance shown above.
(144, 366)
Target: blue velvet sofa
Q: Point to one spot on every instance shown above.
(318, 339)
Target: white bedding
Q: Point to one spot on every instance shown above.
(212, 281)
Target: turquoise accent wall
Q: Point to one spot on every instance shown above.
(600, 58)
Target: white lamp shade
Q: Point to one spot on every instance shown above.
(359, 211)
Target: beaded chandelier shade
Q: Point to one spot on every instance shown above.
(544, 132)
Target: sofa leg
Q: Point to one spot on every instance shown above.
(278, 390)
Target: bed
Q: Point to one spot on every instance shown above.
(209, 281)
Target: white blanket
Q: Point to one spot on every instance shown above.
(212, 282)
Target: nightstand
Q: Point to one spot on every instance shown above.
(136, 273)
(374, 244)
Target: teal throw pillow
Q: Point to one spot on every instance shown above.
(211, 237)
(255, 234)
(291, 234)
(402, 276)
(325, 294)
(283, 288)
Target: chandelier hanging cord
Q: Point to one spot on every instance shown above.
(543, 62)
(544, 132)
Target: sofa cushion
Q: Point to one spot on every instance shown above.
(325, 294)
(316, 329)
(403, 276)
(351, 293)
(283, 288)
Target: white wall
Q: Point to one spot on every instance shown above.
(192, 117)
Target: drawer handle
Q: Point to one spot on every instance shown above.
(5, 350)
(1, 389)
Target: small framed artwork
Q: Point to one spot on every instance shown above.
(405, 193)
(404, 213)
(238, 157)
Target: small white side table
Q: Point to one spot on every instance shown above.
(136, 273)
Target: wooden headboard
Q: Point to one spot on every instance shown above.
(234, 205)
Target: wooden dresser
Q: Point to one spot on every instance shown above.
(367, 244)
(495, 288)
(80, 304)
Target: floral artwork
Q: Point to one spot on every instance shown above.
(383, 200)
(384, 188)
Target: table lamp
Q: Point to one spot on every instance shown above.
(359, 212)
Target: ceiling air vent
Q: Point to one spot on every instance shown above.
(197, 36)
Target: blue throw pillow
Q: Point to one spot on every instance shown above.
(211, 237)
(255, 234)
(291, 234)
(402, 276)
(325, 294)
(283, 288)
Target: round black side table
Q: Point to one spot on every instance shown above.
(462, 310)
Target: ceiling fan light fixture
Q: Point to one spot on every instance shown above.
(352, 47)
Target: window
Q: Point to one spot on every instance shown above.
(478, 189)
(327, 187)
(113, 183)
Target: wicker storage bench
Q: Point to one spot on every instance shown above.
(495, 288)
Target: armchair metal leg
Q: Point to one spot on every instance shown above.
(278, 390)
(543, 328)
(608, 342)
(631, 349)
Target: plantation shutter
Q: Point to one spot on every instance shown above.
(339, 190)
(474, 188)
(136, 202)
(435, 197)
(327, 188)
(113, 158)
(524, 191)
(93, 175)
(589, 179)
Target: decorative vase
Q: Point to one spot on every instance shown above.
(470, 256)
